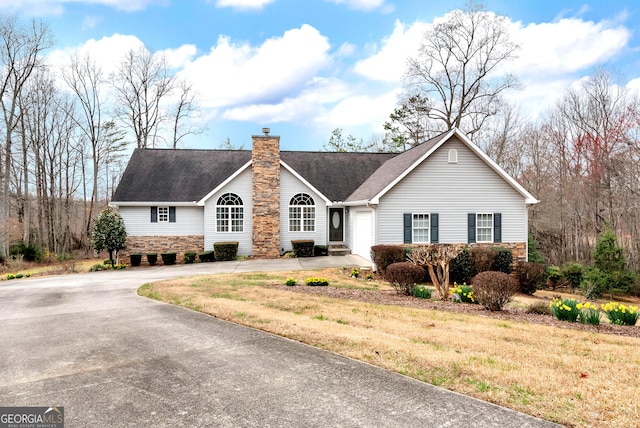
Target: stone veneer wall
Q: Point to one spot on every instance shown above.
(518, 249)
(266, 196)
(161, 244)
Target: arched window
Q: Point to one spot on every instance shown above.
(229, 213)
(453, 156)
(302, 213)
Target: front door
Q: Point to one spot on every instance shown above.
(336, 224)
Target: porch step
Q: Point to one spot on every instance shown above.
(338, 250)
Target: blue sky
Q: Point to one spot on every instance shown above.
(306, 67)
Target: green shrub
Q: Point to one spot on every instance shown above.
(317, 282)
(97, 267)
(554, 275)
(421, 292)
(320, 250)
(11, 276)
(19, 275)
(483, 258)
(28, 274)
(530, 276)
(225, 251)
(136, 259)
(533, 251)
(152, 258)
(403, 276)
(303, 247)
(30, 253)
(462, 293)
(207, 256)
(189, 257)
(290, 282)
(119, 266)
(385, 255)
(355, 272)
(609, 259)
(106, 262)
(593, 284)
(503, 261)
(461, 269)
(573, 272)
(621, 314)
(169, 258)
(565, 309)
(493, 290)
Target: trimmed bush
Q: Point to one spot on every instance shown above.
(503, 262)
(317, 282)
(403, 276)
(152, 258)
(168, 258)
(189, 257)
(554, 275)
(320, 250)
(385, 255)
(421, 292)
(291, 282)
(30, 253)
(136, 259)
(493, 290)
(303, 247)
(483, 258)
(225, 251)
(461, 269)
(530, 276)
(207, 256)
(573, 274)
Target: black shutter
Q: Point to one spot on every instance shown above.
(407, 228)
(172, 214)
(434, 227)
(154, 214)
(471, 227)
(497, 227)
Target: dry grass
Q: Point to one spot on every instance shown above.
(575, 378)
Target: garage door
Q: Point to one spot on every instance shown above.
(362, 234)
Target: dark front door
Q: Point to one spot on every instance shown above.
(336, 224)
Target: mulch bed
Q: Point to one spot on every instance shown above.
(389, 297)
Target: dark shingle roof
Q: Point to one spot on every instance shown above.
(335, 175)
(159, 175)
(392, 169)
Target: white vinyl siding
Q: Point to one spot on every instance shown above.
(137, 221)
(241, 186)
(290, 186)
(453, 190)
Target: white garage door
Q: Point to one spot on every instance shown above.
(362, 234)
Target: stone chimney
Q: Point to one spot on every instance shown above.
(265, 159)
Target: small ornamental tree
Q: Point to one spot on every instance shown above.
(437, 259)
(109, 233)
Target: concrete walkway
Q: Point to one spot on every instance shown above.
(113, 359)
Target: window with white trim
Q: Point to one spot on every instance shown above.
(484, 227)
(163, 214)
(229, 213)
(302, 213)
(420, 228)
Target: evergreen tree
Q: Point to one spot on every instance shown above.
(109, 233)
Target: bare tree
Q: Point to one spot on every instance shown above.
(20, 51)
(455, 75)
(185, 110)
(142, 84)
(85, 79)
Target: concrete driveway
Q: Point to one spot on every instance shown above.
(113, 359)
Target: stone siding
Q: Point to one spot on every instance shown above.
(161, 244)
(518, 249)
(266, 196)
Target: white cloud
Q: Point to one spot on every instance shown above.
(233, 75)
(90, 22)
(388, 64)
(361, 4)
(177, 58)
(56, 7)
(566, 46)
(358, 110)
(244, 4)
